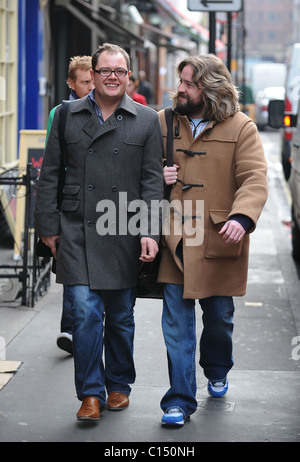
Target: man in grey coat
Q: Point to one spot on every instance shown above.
(114, 169)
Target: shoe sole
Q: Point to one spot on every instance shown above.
(117, 408)
(86, 419)
(217, 396)
(173, 424)
(179, 423)
(65, 345)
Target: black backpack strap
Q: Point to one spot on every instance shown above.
(169, 122)
(61, 135)
(61, 127)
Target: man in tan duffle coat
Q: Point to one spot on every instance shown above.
(219, 188)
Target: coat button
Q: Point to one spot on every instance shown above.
(116, 151)
(89, 223)
(91, 151)
(90, 187)
(114, 189)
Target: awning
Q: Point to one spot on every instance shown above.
(117, 32)
(155, 35)
(89, 15)
(197, 31)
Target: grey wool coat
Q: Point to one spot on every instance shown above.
(108, 167)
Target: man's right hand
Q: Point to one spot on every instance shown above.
(52, 242)
(170, 174)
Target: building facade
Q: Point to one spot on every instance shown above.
(38, 37)
(271, 25)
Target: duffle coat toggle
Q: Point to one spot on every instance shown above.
(191, 153)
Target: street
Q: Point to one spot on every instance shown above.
(38, 403)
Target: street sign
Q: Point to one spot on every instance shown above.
(215, 5)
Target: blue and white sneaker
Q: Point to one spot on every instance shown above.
(217, 389)
(173, 417)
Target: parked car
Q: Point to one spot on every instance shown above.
(276, 117)
(292, 86)
(262, 100)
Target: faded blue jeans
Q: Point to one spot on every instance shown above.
(102, 319)
(179, 329)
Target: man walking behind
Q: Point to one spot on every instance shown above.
(80, 84)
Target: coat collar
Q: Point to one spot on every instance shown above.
(184, 119)
(92, 127)
(83, 104)
(127, 104)
(227, 130)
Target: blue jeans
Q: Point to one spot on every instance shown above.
(179, 329)
(91, 311)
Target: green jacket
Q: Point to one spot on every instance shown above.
(51, 115)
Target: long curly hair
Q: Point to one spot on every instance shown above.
(221, 97)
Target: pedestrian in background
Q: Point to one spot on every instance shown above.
(114, 152)
(80, 84)
(219, 164)
(145, 87)
(130, 90)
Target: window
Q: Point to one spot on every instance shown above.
(271, 36)
(8, 81)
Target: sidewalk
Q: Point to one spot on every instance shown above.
(38, 404)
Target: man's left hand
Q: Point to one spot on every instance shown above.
(233, 232)
(149, 249)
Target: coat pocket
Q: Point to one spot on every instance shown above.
(71, 188)
(216, 247)
(70, 200)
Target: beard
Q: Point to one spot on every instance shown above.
(187, 106)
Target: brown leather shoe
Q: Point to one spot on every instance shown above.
(90, 409)
(117, 401)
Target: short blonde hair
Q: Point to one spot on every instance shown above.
(221, 97)
(79, 62)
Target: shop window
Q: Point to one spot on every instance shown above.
(8, 81)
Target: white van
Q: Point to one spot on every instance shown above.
(292, 86)
(266, 74)
(295, 189)
(276, 116)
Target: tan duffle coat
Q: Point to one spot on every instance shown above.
(228, 174)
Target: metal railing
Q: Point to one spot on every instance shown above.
(32, 272)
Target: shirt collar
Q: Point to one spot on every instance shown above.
(126, 103)
(91, 98)
(73, 95)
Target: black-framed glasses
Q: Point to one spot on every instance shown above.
(106, 72)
